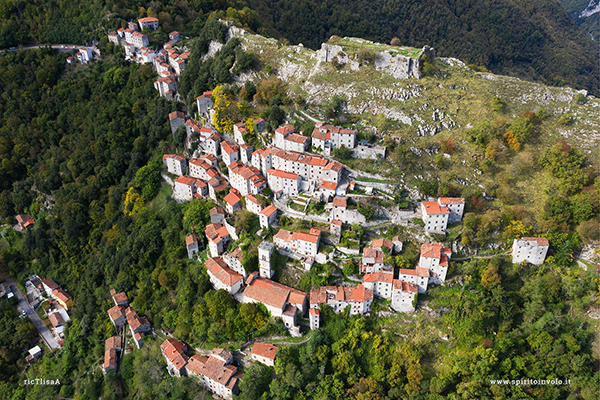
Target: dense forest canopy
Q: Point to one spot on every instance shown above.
(515, 38)
(536, 40)
(80, 151)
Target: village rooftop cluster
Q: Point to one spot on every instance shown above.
(167, 62)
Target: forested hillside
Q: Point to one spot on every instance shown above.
(80, 151)
(533, 39)
(537, 40)
(581, 11)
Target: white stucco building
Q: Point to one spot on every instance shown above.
(530, 249)
(299, 242)
(435, 217)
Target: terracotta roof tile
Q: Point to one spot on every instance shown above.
(265, 350)
(339, 202)
(272, 293)
(380, 276)
(450, 200)
(539, 241)
(269, 210)
(222, 272)
(433, 208)
(193, 238)
(176, 114)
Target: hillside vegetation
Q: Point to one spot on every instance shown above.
(455, 132)
(80, 151)
(536, 40)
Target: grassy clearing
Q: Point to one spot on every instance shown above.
(160, 201)
(373, 180)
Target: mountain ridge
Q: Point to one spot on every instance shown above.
(536, 41)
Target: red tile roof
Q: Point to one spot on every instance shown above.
(421, 272)
(50, 283)
(115, 313)
(195, 364)
(217, 210)
(120, 297)
(336, 222)
(369, 252)
(252, 198)
(110, 358)
(451, 200)
(405, 286)
(222, 272)
(232, 198)
(339, 202)
(334, 166)
(357, 294)
(229, 148)
(186, 180)
(112, 343)
(307, 237)
(173, 350)
(272, 293)
(381, 276)
(176, 114)
(265, 350)
(189, 239)
(218, 371)
(147, 19)
(320, 135)
(269, 210)
(56, 319)
(378, 243)
(539, 241)
(296, 138)
(328, 185)
(282, 174)
(61, 295)
(173, 156)
(433, 208)
(431, 250)
(284, 130)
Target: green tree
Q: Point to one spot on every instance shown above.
(197, 215)
(276, 116)
(147, 179)
(497, 105)
(255, 383)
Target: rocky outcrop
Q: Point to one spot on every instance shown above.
(330, 51)
(399, 66)
(389, 61)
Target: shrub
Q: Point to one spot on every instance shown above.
(366, 56)
(580, 99)
(497, 105)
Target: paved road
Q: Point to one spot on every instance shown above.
(24, 305)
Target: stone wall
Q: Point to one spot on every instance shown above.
(397, 65)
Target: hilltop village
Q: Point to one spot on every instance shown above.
(281, 178)
(294, 168)
(281, 224)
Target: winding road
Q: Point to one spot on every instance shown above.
(24, 305)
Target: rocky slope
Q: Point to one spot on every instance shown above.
(378, 79)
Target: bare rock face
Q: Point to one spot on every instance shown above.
(329, 51)
(213, 47)
(397, 65)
